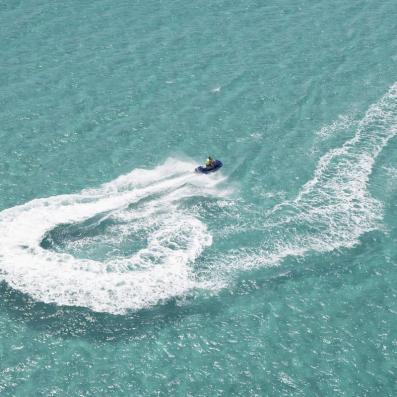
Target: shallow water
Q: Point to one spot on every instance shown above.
(124, 273)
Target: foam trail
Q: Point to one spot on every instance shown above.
(155, 272)
(334, 208)
(341, 124)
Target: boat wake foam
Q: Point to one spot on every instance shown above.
(130, 244)
(43, 241)
(334, 208)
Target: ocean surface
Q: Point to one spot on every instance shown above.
(124, 273)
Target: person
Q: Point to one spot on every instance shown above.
(209, 162)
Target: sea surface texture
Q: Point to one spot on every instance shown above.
(124, 273)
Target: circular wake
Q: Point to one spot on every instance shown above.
(124, 246)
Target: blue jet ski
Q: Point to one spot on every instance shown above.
(206, 170)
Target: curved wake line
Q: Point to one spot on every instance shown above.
(161, 268)
(334, 208)
(331, 211)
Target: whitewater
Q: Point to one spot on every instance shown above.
(334, 208)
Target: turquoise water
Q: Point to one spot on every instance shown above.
(122, 273)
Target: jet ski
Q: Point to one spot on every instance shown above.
(206, 170)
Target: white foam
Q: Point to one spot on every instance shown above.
(158, 271)
(334, 208)
(342, 123)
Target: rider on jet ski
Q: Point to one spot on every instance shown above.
(209, 162)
